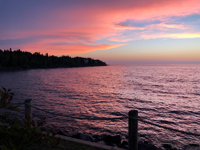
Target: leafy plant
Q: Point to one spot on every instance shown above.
(18, 136)
(6, 98)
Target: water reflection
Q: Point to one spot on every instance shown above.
(165, 94)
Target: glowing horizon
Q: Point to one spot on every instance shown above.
(113, 31)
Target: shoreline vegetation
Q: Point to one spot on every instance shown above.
(11, 60)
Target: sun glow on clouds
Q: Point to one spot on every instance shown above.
(173, 36)
(151, 31)
(64, 27)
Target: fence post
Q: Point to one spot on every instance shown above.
(133, 130)
(28, 110)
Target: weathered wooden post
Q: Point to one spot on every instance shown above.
(133, 130)
(28, 110)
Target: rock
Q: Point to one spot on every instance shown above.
(85, 137)
(61, 132)
(127, 136)
(97, 138)
(124, 145)
(103, 136)
(194, 145)
(77, 136)
(117, 139)
(145, 146)
(112, 140)
(167, 146)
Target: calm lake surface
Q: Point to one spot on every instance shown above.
(168, 95)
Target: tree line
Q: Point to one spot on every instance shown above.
(21, 59)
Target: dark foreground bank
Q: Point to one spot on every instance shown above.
(111, 140)
(116, 140)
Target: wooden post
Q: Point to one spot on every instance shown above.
(28, 110)
(133, 130)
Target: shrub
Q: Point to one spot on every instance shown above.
(18, 136)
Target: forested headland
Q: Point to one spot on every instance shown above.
(17, 59)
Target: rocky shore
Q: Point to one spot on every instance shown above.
(116, 140)
(111, 140)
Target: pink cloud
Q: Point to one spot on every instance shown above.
(121, 25)
(71, 48)
(128, 27)
(67, 29)
(58, 47)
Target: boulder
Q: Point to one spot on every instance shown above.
(168, 146)
(124, 145)
(192, 147)
(97, 138)
(112, 140)
(85, 137)
(61, 132)
(145, 146)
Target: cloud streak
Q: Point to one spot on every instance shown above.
(173, 36)
(63, 27)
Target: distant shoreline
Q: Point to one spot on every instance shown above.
(20, 69)
(21, 60)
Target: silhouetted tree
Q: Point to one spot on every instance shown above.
(20, 59)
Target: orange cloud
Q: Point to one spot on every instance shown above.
(77, 27)
(65, 47)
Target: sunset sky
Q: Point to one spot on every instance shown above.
(115, 31)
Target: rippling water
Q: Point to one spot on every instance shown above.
(164, 94)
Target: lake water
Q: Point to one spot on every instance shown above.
(168, 95)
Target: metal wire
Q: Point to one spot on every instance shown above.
(114, 118)
(86, 118)
(168, 128)
(19, 104)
